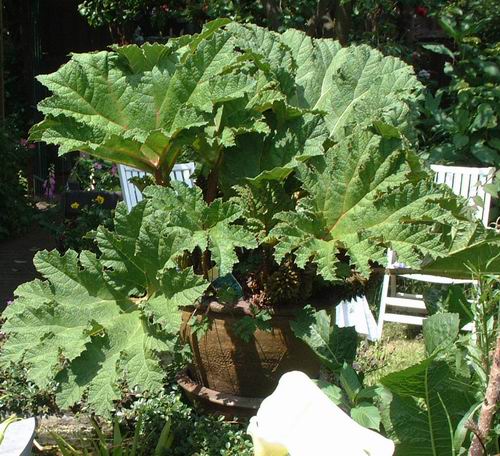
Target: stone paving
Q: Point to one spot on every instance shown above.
(16, 260)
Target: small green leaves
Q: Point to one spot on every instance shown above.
(246, 326)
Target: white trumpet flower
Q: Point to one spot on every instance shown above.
(298, 419)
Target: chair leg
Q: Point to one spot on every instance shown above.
(392, 282)
(383, 303)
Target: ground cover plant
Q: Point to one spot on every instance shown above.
(306, 178)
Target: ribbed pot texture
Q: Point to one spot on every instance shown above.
(224, 362)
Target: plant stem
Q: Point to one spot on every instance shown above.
(160, 179)
(205, 260)
(489, 405)
(213, 180)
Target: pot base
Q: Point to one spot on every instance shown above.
(211, 401)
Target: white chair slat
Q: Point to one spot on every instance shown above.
(465, 187)
(131, 195)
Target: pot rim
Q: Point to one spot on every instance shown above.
(216, 397)
(244, 307)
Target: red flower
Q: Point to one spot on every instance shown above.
(422, 11)
(165, 8)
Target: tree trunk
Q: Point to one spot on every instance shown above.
(343, 21)
(319, 23)
(273, 13)
(489, 406)
(332, 19)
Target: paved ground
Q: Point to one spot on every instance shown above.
(16, 261)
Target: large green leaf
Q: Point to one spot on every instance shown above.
(142, 105)
(363, 197)
(440, 331)
(474, 249)
(332, 345)
(276, 54)
(354, 85)
(242, 97)
(195, 224)
(367, 415)
(428, 401)
(260, 203)
(274, 157)
(93, 323)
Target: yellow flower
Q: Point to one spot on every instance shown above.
(99, 199)
(75, 205)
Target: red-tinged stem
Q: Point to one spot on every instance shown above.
(213, 181)
(159, 178)
(489, 406)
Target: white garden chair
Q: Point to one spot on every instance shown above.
(410, 308)
(131, 195)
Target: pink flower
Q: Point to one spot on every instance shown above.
(25, 143)
(114, 170)
(421, 11)
(164, 7)
(49, 184)
(97, 165)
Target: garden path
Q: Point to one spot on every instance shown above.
(16, 260)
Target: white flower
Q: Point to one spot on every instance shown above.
(299, 420)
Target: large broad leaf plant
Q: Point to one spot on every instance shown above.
(305, 178)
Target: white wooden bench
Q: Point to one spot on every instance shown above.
(131, 195)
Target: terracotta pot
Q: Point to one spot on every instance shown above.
(224, 362)
(211, 401)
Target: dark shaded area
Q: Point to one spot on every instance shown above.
(39, 36)
(16, 261)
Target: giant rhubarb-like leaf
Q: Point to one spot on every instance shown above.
(474, 249)
(195, 224)
(354, 85)
(95, 322)
(142, 105)
(234, 93)
(363, 197)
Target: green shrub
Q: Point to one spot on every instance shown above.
(194, 433)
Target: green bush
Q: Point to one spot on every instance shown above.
(194, 433)
(461, 122)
